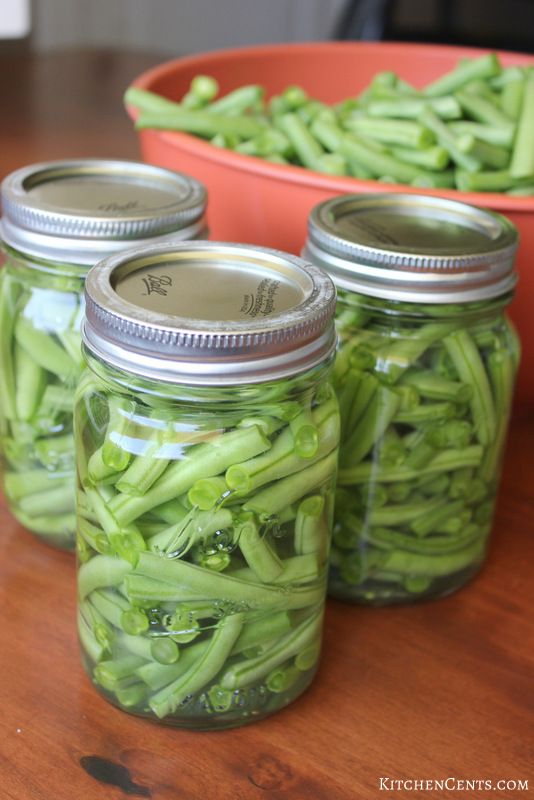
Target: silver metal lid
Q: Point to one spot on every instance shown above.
(413, 248)
(209, 313)
(82, 211)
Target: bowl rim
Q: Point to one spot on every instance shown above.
(303, 176)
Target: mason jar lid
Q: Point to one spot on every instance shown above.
(209, 313)
(80, 211)
(413, 248)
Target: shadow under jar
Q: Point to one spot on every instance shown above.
(424, 374)
(207, 440)
(59, 219)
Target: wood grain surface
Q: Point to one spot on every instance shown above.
(432, 691)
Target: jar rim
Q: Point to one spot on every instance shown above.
(417, 248)
(82, 210)
(205, 313)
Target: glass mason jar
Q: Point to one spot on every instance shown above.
(424, 375)
(207, 436)
(59, 219)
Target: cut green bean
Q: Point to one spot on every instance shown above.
(484, 67)
(446, 107)
(209, 460)
(201, 672)
(288, 646)
(382, 134)
(447, 140)
(201, 122)
(522, 164)
(417, 480)
(257, 553)
(405, 133)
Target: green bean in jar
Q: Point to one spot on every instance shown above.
(207, 437)
(59, 219)
(424, 374)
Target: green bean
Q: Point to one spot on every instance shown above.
(144, 470)
(288, 490)
(488, 181)
(101, 571)
(9, 293)
(202, 122)
(484, 67)
(43, 349)
(308, 525)
(285, 457)
(466, 359)
(203, 89)
(387, 133)
(203, 671)
(512, 97)
(295, 569)
(489, 155)
(289, 645)
(406, 133)
(372, 424)
(112, 674)
(56, 526)
(443, 462)
(306, 146)
(148, 101)
(424, 486)
(500, 135)
(482, 110)
(30, 380)
(281, 679)
(157, 675)
(114, 453)
(208, 460)
(173, 570)
(522, 165)
(238, 101)
(181, 581)
(432, 158)
(390, 538)
(88, 640)
(16, 484)
(435, 387)
(446, 107)
(264, 630)
(447, 140)
(502, 375)
(196, 526)
(415, 564)
(256, 551)
(58, 500)
(207, 493)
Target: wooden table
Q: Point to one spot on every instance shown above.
(442, 690)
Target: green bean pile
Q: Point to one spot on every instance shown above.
(470, 130)
(39, 365)
(425, 395)
(203, 539)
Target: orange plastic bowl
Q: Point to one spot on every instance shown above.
(256, 201)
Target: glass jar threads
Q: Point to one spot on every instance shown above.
(59, 219)
(424, 374)
(207, 437)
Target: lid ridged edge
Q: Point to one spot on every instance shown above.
(204, 351)
(381, 272)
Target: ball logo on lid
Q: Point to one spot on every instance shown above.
(156, 284)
